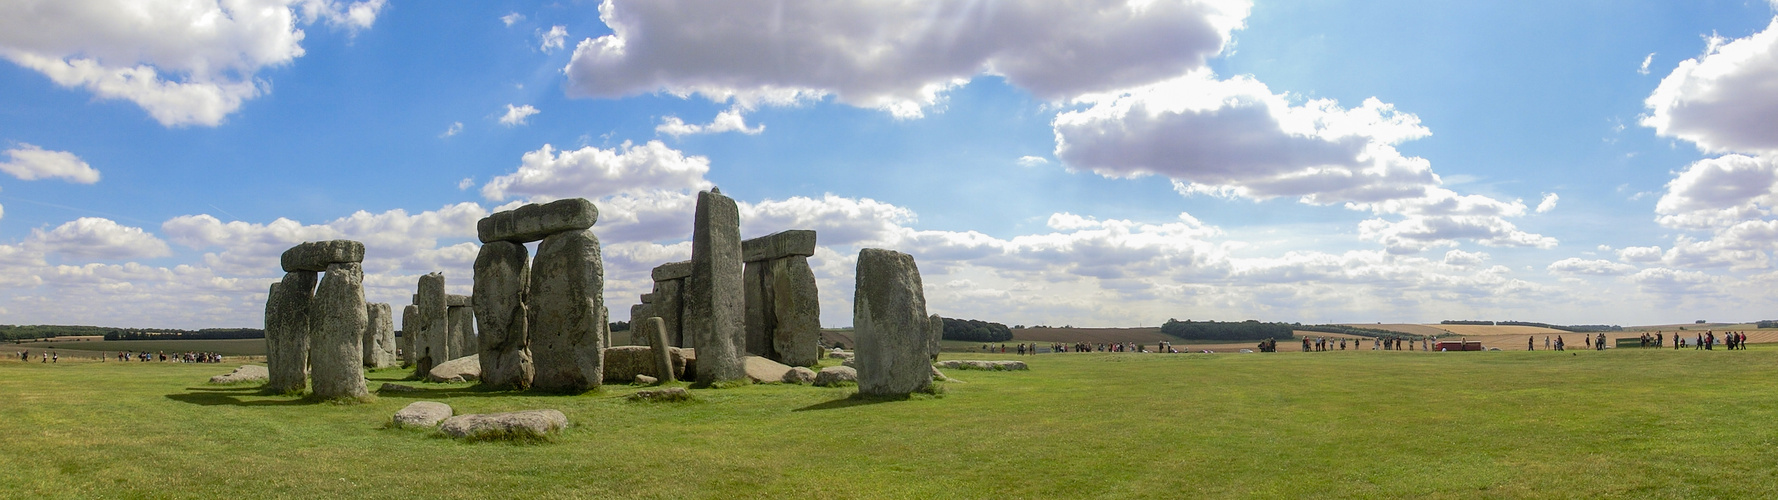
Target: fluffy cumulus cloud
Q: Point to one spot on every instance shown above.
(99, 238)
(517, 115)
(729, 120)
(1723, 100)
(1548, 203)
(552, 40)
(592, 172)
(1571, 266)
(29, 162)
(184, 62)
(895, 55)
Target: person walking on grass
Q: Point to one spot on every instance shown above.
(1531, 343)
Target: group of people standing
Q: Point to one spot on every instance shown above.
(1706, 340)
(48, 356)
(1382, 344)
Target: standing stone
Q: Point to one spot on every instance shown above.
(656, 331)
(796, 312)
(637, 313)
(336, 353)
(935, 331)
(379, 336)
(432, 328)
(502, 271)
(462, 331)
(409, 321)
(669, 304)
(287, 332)
(757, 283)
(713, 295)
(890, 325)
(566, 297)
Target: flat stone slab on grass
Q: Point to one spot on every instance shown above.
(422, 414)
(462, 369)
(763, 370)
(669, 394)
(244, 374)
(509, 425)
(836, 375)
(965, 364)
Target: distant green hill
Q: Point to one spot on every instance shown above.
(14, 332)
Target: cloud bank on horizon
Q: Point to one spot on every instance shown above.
(1230, 197)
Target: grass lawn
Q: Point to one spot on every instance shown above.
(1621, 423)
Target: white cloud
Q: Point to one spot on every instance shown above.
(729, 120)
(1461, 258)
(466, 183)
(30, 162)
(1645, 61)
(184, 62)
(896, 56)
(1722, 101)
(1032, 161)
(99, 238)
(511, 18)
(553, 39)
(393, 240)
(1548, 203)
(1640, 254)
(1719, 192)
(517, 115)
(454, 129)
(592, 172)
(1590, 267)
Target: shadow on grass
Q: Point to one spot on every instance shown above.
(213, 398)
(851, 401)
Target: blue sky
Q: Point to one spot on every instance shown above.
(1090, 163)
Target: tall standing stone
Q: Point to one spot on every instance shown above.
(713, 294)
(935, 331)
(462, 331)
(756, 280)
(566, 299)
(502, 271)
(336, 353)
(432, 328)
(669, 304)
(287, 331)
(409, 321)
(656, 331)
(796, 312)
(889, 325)
(379, 336)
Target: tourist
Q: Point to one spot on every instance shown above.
(55, 357)
(1531, 343)
(1559, 345)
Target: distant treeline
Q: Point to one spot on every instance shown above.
(204, 334)
(1354, 330)
(1229, 330)
(974, 330)
(1770, 323)
(1566, 328)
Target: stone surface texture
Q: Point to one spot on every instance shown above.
(835, 375)
(795, 242)
(967, 364)
(756, 284)
(422, 414)
(935, 331)
(315, 256)
(242, 374)
(669, 304)
(409, 317)
(336, 333)
(796, 311)
(763, 370)
(654, 329)
(566, 324)
(287, 332)
(713, 294)
(672, 271)
(624, 363)
(502, 272)
(379, 336)
(528, 423)
(534, 222)
(799, 375)
(431, 328)
(889, 324)
(461, 331)
(464, 369)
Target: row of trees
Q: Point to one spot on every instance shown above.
(974, 330)
(204, 334)
(1566, 328)
(1220, 330)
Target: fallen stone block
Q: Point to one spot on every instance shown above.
(243, 374)
(462, 369)
(526, 424)
(834, 376)
(422, 414)
(667, 395)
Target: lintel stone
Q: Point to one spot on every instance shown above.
(779, 245)
(672, 271)
(533, 222)
(315, 256)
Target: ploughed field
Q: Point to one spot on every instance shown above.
(1624, 422)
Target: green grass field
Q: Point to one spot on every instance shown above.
(1624, 423)
(229, 347)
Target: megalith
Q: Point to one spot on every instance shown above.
(336, 330)
(379, 336)
(890, 325)
(783, 309)
(655, 330)
(287, 331)
(431, 328)
(461, 328)
(502, 271)
(935, 332)
(713, 296)
(409, 318)
(566, 306)
(669, 301)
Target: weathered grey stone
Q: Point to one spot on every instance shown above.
(669, 394)
(462, 331)
(672, 271)
(835, 375)
(336, 332)
(890, 324)
(502, 271)
(935, 331)
(287, 332)
(966, 364)
(648, 298)
(655, 330)
(800, 242)
(243, 374)
(714, 307)
(624, 363)
(646, 380)
(315, 256)
(670, 306)
(799, 375)
(517, 424)
(836, 353)
(422, 414)
(534, 222)
(756, 284)
(462, 369)
(796, 312)
(452, 300)
(431, 325)
(762, 370)
(379, 336)
(393, 387)
(566, 297)
(637, 313)
(409, 321)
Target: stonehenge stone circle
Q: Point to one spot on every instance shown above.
(566, 313)
(336, 332)
(315, 256)
(890, 325)
(379, 337)
(783, 315)
(287, 332)
(668, 301)
(535, 222)
(655, 330)
(795, 242)
(502, 271)
(713, 294)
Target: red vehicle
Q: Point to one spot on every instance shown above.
(1457, 345)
